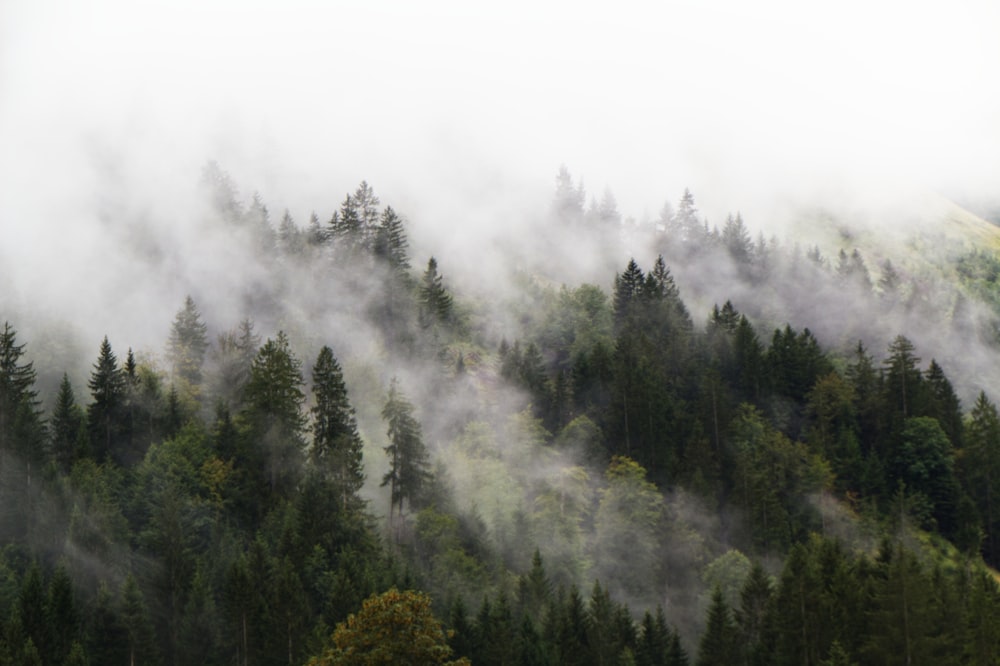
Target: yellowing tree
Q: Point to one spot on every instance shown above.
(391, 628)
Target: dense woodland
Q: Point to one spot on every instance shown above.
(558, 473)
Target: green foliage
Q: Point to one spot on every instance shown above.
(187, 345)
(336, 450)
(408, 463)
(391, 628)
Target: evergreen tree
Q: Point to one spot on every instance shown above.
(719, 646)
(628, 289)
(435, 302)
(187, 344)
(391, 242)
(567, 204)
(140, 635)
(316, 235)
(62, 618)
(336, 447)
(67, 419)
(104, 414)
(736, 240)
(903, 378)
(22, 431)
(290, 238)
(982, 470)
(408, 462)
(686, 220)
(274, 411)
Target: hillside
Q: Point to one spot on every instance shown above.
(665, 466)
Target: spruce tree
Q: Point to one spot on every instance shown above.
(719, 643)
(391, 243)
(408, 461)
(104, 414)
(435, 301)
(274, 411)
(336, 448)
(22, 431)
(187, 344)
(67, 417)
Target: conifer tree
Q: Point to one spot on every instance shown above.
(902, 378)
(391, 243)
(719, 643)
(336, 447)
(982, 470)
(140, 635)
(67, 418)
(628, 288)
(274, 409)
(408, 462)
(290, 238)
(316, 235)
(104, 414)
(187, 344)
(567, 205)
(435, 301)
(21, 428)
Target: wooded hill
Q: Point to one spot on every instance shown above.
(572, 473)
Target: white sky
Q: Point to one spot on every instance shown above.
(439, 104)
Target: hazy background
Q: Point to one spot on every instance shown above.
(459, 116)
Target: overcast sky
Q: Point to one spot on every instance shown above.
(439, 104)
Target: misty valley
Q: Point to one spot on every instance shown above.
(593, 439)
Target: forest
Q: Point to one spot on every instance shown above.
(600, 457)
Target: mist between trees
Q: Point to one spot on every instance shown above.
(723, 447)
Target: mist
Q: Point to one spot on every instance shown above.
(840, 128)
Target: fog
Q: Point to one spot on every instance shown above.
(460, 118)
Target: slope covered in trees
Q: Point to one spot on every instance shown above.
(589, 473)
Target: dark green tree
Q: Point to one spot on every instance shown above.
(64, 429)
(62, 618)
(436, 304)
(719, 644)
(22, 430)
(105, 413)
(408, 461)
(981, 465)
(273, 409)
(391, 243)
(336, 447)
(140, 635)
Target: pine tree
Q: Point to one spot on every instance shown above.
(391, 242)
(67, 417)
(274, 409)
(234, 359)
(567, 204)
(187, 344)
(408, 462)
(435, 301)
(686, 221)
(316, 235)
(982, 470)
(628, 289)
(21, 427)
(718, 645)
(62, 618)
(903, 378)
(104, 414)
(336, 447)
(736, 240)
(140, 635)
(290, 238)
